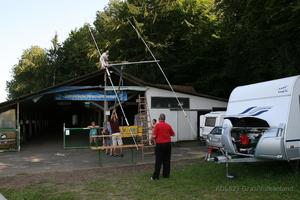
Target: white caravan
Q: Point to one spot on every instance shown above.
(209, 121)
(263, 122)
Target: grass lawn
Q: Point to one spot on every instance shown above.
(193, 180)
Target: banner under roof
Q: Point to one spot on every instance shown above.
(90, 96)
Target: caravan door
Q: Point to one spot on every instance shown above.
(202, 122)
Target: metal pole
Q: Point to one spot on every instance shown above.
(105, 118)
(18, 127)
(163, 73)
(108, 74)
(227, 168)
(64, 135)
(133, 63)
(117, 96)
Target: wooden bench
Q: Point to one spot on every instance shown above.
(117, 146)
(107, 136)
(132, 147)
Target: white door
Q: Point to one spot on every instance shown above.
(184, 131)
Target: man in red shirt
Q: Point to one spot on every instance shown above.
(162, 135)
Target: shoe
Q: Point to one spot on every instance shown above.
(153, 179)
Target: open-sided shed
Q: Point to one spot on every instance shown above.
(77, 102)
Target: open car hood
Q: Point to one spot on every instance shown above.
(246, 121)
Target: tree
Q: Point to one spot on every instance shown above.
(30, 74)
(183, 34)
(179, 32)
(77, 56)
(52, 55)
(261, 39)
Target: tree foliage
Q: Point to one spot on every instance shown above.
(212, 45)
(52, 54)
(77, 56)
(179, 32)
(261, 39)
(30, 74)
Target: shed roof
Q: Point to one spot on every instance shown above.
(92, 77)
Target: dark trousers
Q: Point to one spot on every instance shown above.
(162, 157)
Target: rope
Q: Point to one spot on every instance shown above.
(162, 71)
(108, 73)
(117, 96)
(119, 86)
(95, 41)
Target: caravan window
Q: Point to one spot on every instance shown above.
(210, 121)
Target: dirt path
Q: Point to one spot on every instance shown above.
(51, 157)
(77, 176)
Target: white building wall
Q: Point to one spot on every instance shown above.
(173, 118)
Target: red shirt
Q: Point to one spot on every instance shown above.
(163, 132)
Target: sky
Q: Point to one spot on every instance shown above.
(35, 22)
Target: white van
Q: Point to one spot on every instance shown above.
(209, 121)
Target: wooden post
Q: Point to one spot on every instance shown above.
(100, 158)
